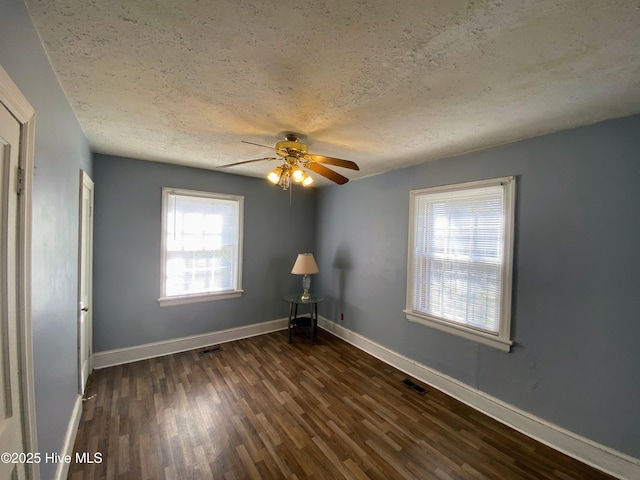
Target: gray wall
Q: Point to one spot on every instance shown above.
(60, 152)
(576, 311)
(128, 206)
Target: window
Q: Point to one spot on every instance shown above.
(201, 246)
(460, 259)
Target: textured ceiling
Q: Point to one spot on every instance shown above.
(384, 83)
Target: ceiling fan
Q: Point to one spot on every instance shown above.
(296, 159)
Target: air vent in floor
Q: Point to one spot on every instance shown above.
(414, 387)
(212, 349)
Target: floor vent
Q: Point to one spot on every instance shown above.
(414, 387)
(212, 349)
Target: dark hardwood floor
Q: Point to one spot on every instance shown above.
(264, 408)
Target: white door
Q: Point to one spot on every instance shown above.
(85, 243)
(12, 436)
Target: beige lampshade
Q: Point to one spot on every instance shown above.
(305, 265)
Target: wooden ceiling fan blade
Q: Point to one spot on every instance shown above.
(246, 161)
(258, 145)
(327, 173)
(280, 152)
(338, 162)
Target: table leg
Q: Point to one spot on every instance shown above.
(290, 317)
(314, 323)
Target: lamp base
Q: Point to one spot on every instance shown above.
(306, 284)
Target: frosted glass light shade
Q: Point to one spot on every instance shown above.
(275, 175)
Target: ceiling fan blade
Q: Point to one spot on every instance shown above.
(332, 161)
(246, 161)
(258, 145)
(282, 153)
(327, 173)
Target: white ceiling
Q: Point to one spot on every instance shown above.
(384, 83)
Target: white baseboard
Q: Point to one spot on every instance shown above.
(119, 356)
(587, 451)
(69, 439)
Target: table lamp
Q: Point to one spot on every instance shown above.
(305, 265)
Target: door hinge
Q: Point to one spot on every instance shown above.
(20, 181)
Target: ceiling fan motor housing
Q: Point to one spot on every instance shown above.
(290, 148)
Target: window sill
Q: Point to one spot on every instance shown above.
(494, 341)
(200, 297)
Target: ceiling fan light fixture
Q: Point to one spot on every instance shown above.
(285, 180)
(274, 175)
(297, 174)
(307, 181)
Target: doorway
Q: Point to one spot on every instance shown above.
(85, 284)
(17, 396)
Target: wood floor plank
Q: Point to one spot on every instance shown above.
(261, 408)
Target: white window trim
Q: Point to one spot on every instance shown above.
(501, 340)
(199, 297)
(165, 301)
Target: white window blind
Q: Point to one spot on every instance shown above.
(458, 258)
(201, 243)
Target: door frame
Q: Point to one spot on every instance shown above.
(85, 180)
(17, 104)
